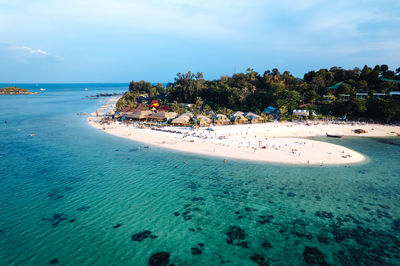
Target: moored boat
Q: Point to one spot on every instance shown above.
(334, 136)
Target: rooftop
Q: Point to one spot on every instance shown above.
(337, 85)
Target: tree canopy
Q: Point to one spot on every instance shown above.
(252, 91)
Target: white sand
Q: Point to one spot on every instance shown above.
(269, 142)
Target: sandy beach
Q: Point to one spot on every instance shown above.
(274, 142)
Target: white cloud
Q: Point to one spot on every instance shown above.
(30, 50)
(23, 51)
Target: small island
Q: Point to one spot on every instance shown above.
(15, 91)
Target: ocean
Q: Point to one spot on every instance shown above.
(73, 195)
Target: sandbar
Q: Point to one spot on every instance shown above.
(273, 142)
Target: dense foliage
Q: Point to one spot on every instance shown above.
(252, 91)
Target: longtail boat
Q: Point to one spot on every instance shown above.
(334, 136)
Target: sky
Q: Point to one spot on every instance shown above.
(121, 40)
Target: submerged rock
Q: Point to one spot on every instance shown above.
(300, 234)
(324, 214)
(196, 251)
(266, 244)
(235, 232)
(53, 261)
(265, 219)
(396, 225)
(314, 256)
(55, 194)
(159, 259)
(243, 244)
(259, 259)
(323, 239)
(384, 206)
(56, 219)
(141, 236)
(383, 214)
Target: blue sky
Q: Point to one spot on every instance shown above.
(123, 40)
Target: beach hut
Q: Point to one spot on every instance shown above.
(140, 115)
(221, 119)
(238, 118)
(301, 112)
(189, 114)
(237, 113)
(203, 121)
(162, 116)
(131, 110)
(182, 120)
(378, 95)
(128, 111)
(253, 118)
(362, 95)
(395, 94)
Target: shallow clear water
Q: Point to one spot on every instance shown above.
(63, 190)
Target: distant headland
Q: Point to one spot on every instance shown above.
(15, 91)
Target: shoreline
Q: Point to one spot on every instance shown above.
(281, 143)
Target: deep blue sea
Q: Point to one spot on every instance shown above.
(73, 195)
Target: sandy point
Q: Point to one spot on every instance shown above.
(231, 142)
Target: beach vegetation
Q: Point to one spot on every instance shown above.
(329, 92)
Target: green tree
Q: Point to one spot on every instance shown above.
(199, 103)
(288, 99)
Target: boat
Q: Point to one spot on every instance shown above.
(86, 89)
(391, 142)
(42, 89)
(334, 136)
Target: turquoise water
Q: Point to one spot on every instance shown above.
(74, 195)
